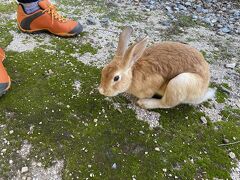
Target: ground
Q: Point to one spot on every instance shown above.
(55, 125)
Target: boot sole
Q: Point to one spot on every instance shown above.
(47, 31)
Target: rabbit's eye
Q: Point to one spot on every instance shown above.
(116, 78)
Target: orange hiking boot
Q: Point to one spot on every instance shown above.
(2, 55)
(5, 81)
(47, 19)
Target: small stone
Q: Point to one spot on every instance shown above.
(39, 164)
(10, 161)
(232, 155)
(195, 17)
(231, 65)
(24, 169)
(49, 72)
(110, 3)
(203, 120)
(164, 170)
(114, 166)
(157, 149)
(199, 9)
(165, 23)
(225, 141)
(104, 21)
(4, 150)
(91, 20)
(169, 9)
(11, 132)
(181, 7)
(225, 30)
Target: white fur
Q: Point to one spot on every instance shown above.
(210, 94)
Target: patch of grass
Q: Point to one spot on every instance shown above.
(204, 53)
(8, 8)
(221, 95)
(5, 36)
(181, 23)
(65, 45)
(85, 129)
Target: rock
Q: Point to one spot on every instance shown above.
(199, 9)
(207, 20)
(157, 149)
(188, 3)
(225, 30)
(169, 9)
(114, 166)
(225, 141)
(105, 21)
(204, 11)
(195, 17)
(49, 72)
(232, 155)
(181, 7)
(203, 120)
(4, 150)
(165, 23)
(24, 169)
(111, 3)
(91, 20)
(231, 65)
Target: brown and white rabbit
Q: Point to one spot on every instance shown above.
(173, 70)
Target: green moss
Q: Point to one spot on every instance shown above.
(8, 8)
(66, 46)
(204, 54)
(83, 128)
(221, 95)
(225, 85)
(181, 23)
(5, 36)
(70, 132)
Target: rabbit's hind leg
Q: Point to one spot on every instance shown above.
(186, 87)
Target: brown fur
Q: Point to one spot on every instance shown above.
(174, 70)
(164, 61)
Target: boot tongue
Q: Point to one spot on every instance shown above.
(44, 4)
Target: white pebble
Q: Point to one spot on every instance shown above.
(232, 155)
(114, 166)
(24, 169)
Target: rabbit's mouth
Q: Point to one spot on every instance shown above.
(107, 93)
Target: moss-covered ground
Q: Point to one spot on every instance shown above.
(85, 131)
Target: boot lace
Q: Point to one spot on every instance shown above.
(52, 10)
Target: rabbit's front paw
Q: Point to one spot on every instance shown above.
(148, 103)
(144, 103)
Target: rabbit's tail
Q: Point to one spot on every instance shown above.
(210, 94)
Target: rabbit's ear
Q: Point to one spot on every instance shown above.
(124, 40)
(134, 52)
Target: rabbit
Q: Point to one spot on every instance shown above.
(173, 70)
